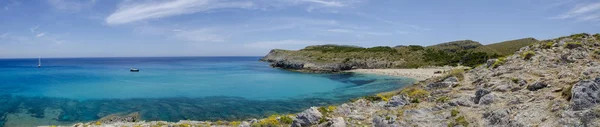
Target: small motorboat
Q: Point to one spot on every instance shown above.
(134, 70)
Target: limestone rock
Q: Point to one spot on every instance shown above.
(480, 93)
(536, 86)
(585, 94)
(308, 117)
(398, 100)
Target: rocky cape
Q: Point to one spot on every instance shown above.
(551, 83)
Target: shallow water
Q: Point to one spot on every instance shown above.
(172, 89)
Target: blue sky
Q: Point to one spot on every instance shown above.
(111, 28)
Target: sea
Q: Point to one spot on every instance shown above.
(70, 90)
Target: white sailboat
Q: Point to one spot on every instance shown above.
(39, 62)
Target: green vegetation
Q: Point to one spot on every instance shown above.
(416, 94)
(442, 99)
(384, 98)
(454, 112)
(459, 121)
(547, 45)
(572, 45)
(458, 73)
(235, 123)
(415, 47)
(466, 53)
(514, 80)
(270, 121)
(597, 36)
(343, 48)
(326, 110)
(499, 62)
(527, 55)
(510, 47)
(579, 36)
(286, 119)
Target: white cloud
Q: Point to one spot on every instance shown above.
(71, 5)
(583, 12)
(40, 34)
(131, 12)
(330, 3)
(33, 29)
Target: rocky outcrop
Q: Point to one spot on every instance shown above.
(585, 94)
(308, 117)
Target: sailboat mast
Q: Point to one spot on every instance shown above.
(39, 62)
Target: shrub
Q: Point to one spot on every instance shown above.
(415, 47)
(572, 45)
(373, 98)
(458, 73)
(235, 123)
(383, 97)
(454, 112)
(286, 119)
(547, 45)
(500, 61)
(462, 121)
(514, 80)
(270, 121)
(326, 111)
(597, 51)
(415, 93)
(580, 35)
(527, 55)
(597, 36)
(443, 99)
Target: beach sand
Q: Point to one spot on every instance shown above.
(419, 74)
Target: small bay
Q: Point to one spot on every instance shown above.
(170, 88)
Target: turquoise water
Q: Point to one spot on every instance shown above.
(174, 88)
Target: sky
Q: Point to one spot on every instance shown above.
(130, 28)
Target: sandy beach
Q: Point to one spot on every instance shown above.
(419, 74)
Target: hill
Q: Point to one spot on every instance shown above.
(333, 58)
(510, 47)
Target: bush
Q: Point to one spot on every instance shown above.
(270, 121)
(235, 123)
(286, 119)
(458, 73)
(499, 62)
(527, 55)
(415, 47)
(514, 80)
(580, 35)
(572, 45)
(415, 93)
(326, 111)
(454, 112)
(547, 45)
(443, 99)
(597, 51)
(597, 36)
(384, 98)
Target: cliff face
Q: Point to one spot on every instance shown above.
(317, 61)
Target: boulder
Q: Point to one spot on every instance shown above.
(585, 94)
(480, 93)
(446, 83)
(497, 117)
(536, 86)
(487, 99)
(338, 122)
(398, 100)
(308, 117)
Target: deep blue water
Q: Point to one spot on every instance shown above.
(172, 88)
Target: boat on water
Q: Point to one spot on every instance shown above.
(39, 62)
(134, 70)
